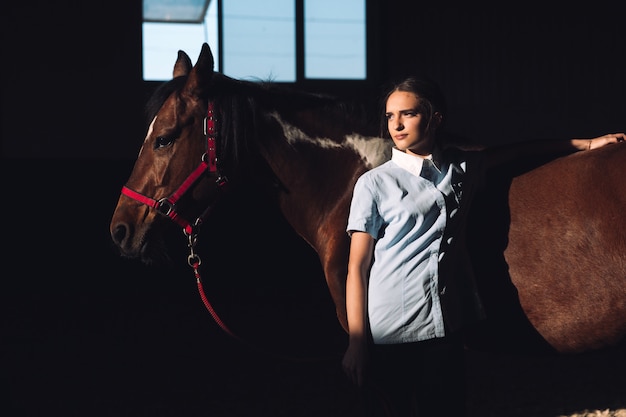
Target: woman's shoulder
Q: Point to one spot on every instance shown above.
(384, 167)
(456, 154)
(453, 140)
(378, 173)
(460, 152)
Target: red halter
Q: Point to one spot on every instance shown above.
(167, 206)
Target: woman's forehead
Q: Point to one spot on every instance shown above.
(402, 100)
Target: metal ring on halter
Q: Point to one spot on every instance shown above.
(165, 207)
(194, 260)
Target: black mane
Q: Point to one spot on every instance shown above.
(242, 107)
(160, 94)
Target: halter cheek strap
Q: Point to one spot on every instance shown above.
(209, 132)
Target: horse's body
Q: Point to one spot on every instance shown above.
(561, 280)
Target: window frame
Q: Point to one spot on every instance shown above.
(372, 70)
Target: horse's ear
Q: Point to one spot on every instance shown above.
(205, 60)
(201, 73)
(183, 65)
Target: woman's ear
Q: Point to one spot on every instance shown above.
(438, 119)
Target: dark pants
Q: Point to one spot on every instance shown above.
(424, 379)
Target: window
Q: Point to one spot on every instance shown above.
(166, 32)
(281, 40)
(334, 39)
(259, 39)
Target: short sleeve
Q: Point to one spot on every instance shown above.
(364, 215)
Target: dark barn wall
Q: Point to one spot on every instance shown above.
(517, 70)
(72, 84)
(72, 74)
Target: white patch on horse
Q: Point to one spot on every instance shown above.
(373, 150)
(150, 128)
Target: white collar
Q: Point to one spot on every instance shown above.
(413, 163)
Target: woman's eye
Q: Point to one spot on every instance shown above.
(163, 141)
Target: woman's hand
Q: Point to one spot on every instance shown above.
(356, 362)
(601, 141)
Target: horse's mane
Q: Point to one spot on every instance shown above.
(160, 94)
(267, 94)
(288, 101)
(243, 105)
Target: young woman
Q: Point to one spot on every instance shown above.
(409, 288)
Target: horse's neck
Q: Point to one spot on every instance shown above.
(318, 173)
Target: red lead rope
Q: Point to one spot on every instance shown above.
(194, 262)
(208, 305)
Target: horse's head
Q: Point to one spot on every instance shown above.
(176, 174)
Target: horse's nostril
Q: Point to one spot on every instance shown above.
(119, 233)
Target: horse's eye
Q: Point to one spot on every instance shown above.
(163, 141)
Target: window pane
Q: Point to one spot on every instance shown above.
(162, 41)
(181, 11)
(334, 39)
(259, 39)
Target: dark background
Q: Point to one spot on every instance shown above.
(88, 333)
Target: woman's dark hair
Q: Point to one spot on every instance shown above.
(431, 98)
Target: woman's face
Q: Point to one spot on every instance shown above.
(406, 126)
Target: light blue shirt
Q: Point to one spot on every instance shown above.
(411, 207)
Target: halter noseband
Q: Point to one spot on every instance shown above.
(167, 205)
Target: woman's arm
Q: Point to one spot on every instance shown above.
(499, 155)
(356, 356)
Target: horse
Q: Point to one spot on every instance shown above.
(548, 241)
